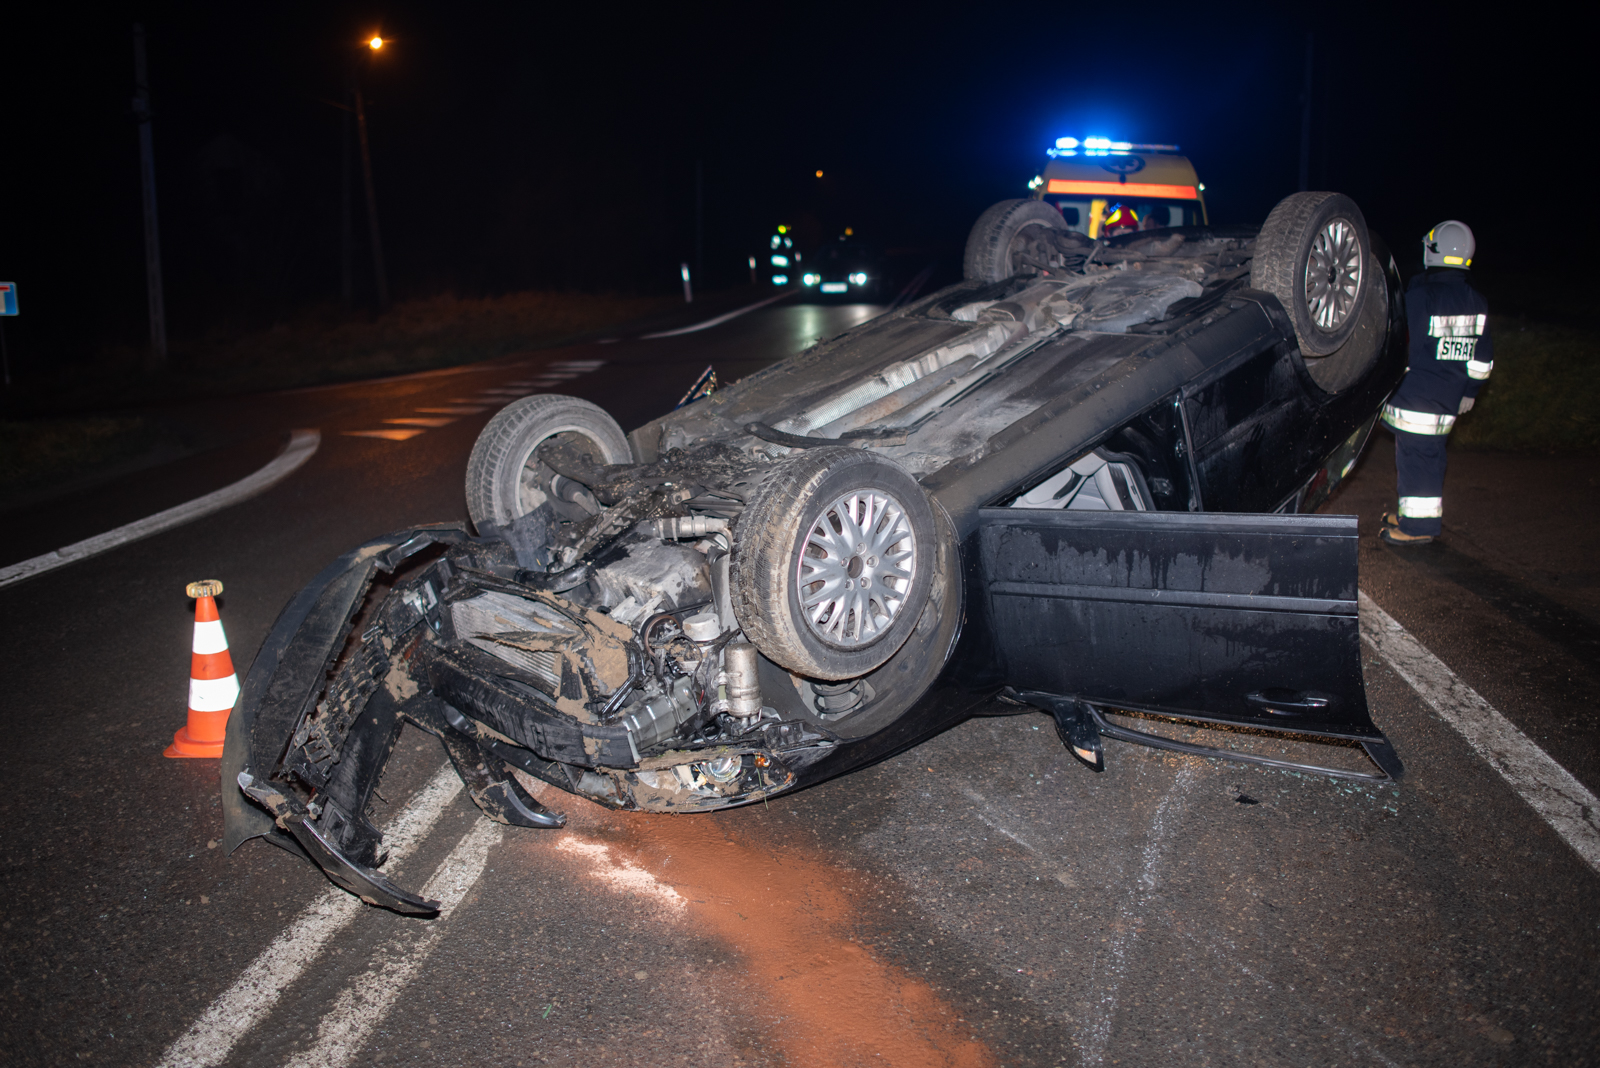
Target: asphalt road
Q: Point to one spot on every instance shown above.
(980, 900)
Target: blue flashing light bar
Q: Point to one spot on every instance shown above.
(1101, 146)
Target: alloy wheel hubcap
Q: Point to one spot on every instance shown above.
(1333, 274)
(856, 568)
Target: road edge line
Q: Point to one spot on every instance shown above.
(719, 320)
(302, 444)
(1549, 789)
(249, 998)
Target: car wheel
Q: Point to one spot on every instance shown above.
(1006, 235)
(1314, 255)
(832, 562)
(504, 478)
(1345, 366)
(864, 705)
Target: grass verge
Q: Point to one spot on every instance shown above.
(1544, 394)
(35, 453)
(322, 345)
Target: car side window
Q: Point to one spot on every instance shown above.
(1140, 467)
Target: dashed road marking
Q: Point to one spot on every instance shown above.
(362, 1005)
(244, 1004)
(426, 422)
(387, 435)
(459, 409)
(1550, 789)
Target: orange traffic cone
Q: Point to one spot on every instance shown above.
(213, 686)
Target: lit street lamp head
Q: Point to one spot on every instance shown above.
(376, 42)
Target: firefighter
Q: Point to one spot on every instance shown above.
(1120, 219)
(1450, 357)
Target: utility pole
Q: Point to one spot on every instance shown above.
(1305, 118)
(157, 359)
(378, 273)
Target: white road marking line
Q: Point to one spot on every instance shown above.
(719, 320)
(422, 421)
(1094, 1038)
(363, 1004)
(387, 435)
(239, 1008)
(473, 409)
(1550, 789)
(578, 365)
(302, 443)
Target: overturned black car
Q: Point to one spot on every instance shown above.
(1078, 479)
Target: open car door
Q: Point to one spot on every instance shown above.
(1248, 620)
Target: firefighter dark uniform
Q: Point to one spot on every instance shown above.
(1450, 357)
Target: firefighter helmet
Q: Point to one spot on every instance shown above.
(1119, 219)
(1449, 244)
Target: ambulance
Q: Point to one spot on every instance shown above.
(1084, 178)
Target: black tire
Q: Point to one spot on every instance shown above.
(1344, 367)
(1305, 255)
(792, 522)
(1002, 233)
(889, 692)
(503, 478)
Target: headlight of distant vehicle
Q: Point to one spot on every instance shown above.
(810, 279)
(780, 279)
(780, 261)
(859, 278)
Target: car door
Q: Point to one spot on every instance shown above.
(1240, 619)
(1250, 422)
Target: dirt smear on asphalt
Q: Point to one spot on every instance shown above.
(789, 914)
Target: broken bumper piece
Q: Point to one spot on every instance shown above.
(432, 627)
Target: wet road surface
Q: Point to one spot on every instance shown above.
(980, 900)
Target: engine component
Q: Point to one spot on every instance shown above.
(677, 528)
(743, 686)
(658, 718)
(702, 627)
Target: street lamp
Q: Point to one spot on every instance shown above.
(379, 274)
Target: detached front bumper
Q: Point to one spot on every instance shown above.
(430, 626)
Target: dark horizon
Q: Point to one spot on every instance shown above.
(517, 149)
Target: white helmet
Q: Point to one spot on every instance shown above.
(1450, 244)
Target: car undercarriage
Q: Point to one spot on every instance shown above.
(761, 589)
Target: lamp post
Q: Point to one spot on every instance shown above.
(379, 274)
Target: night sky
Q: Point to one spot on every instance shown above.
(556, 146)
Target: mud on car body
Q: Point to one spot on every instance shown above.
(1080, 479)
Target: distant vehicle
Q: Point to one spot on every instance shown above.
(1077, 479)
(848, 267)
(1084, 178)
(783, 258)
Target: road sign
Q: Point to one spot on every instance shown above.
(8, 298)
